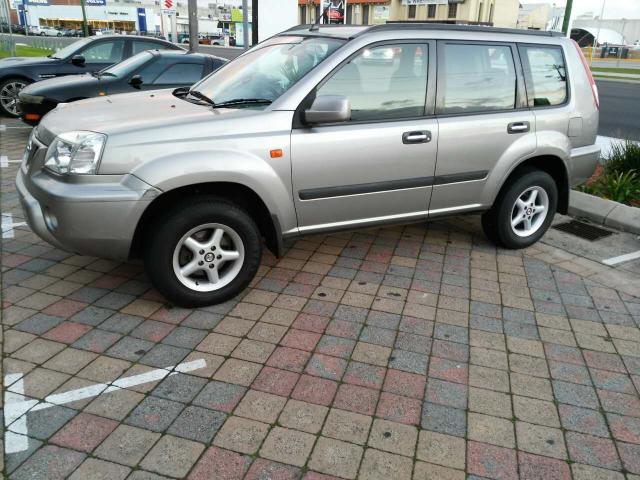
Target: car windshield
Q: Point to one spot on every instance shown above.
(128, 66)
(70, 49)
(268, 71)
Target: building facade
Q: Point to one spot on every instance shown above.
(499, 13)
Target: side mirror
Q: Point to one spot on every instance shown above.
(78, 60)
(136, 81)
(328, 109)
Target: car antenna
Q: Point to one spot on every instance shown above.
(316, 25)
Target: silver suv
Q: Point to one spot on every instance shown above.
(315, 130)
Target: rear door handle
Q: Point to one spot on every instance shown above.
(419, 136)
(518, 127)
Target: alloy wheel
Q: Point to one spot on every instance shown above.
(9, 96)
(208, 257)
(529, 211)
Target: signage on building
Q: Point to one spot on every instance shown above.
(142, 19)
(236, 15)
(168, 7)
(36, 2)
(95, 3)
(425, 2)
(380, 14)
(332, 11)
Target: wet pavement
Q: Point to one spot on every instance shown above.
(409, 352)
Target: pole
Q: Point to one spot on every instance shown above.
(595, 39)
(254, 22)
(193, 25)
(12, 44)
(245, 24)
(85, 27)
(567, 18)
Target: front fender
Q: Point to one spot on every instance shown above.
(271, 184)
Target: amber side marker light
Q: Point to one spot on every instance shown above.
(101, 94)
(32, 116)
(277, 153)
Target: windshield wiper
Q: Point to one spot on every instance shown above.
(202, 96)
(244, 101)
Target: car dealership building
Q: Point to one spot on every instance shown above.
(100, 15)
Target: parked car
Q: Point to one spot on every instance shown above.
(49, 32)
(148, 70)
(291, 138)
(73, 32)
(18, 29)
(87, 55)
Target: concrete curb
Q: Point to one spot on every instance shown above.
(604, 212)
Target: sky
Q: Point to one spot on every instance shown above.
(613, 8)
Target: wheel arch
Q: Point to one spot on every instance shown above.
(551, 164)
(242, 195)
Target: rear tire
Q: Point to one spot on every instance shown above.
(202, 252)
(523, 211)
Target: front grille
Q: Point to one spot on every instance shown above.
(583, 230)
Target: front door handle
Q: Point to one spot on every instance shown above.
(419, 136)
(518, 127)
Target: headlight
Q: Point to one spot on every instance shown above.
(26, 98)
(75, 152)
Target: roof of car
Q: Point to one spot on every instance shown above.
(132, 37)
(352, 31)
(176, 53)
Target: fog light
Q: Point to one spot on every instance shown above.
(32, 116)
(50, 220)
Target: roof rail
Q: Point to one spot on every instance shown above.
(413, 25)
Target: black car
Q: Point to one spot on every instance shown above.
(84, 56)
(149, 70)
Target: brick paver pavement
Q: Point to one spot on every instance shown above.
(410, 352)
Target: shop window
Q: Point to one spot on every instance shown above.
(453, 10)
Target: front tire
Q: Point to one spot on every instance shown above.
(9, 90)
(523, 211)
(202, 252)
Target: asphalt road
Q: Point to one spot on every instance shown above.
(619, 109)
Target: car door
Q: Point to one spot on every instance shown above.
(483, 118)
(102, 54)
(378, 167)
(177, 75)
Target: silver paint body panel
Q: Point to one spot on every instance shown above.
(157, 143)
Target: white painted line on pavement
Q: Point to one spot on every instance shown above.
(8, 225)
(14, 409)
(622, 258)
(4, 161)
(17, 405)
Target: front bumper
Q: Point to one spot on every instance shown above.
(96, 218)
(583, 163)
(32, 113)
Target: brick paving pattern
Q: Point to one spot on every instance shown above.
(395, 353)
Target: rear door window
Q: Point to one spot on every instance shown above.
(545, 75)
(476, 78)
(181, 73)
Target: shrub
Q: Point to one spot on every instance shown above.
(619, 178)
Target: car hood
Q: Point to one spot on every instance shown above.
(65, 87)
(131, 113)
(26, 61)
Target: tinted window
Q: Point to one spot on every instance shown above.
(384, 82)
(151, 70)
(180, 73)
(142, 46)
(477, 78)
(129, 65)
(104, 52)
(545, 75)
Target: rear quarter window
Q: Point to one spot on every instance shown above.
(545, 75)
